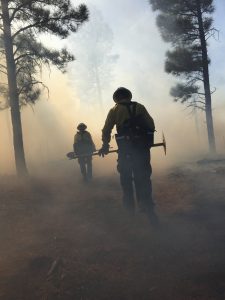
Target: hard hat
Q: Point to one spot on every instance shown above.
(122, 93)
(81, 126)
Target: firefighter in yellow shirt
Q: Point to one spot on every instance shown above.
(83, 144)
(135, 134)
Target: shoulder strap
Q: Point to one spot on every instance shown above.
(132, 112)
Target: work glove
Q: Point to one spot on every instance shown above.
(104, 150)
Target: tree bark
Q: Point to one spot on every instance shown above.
(13, 94)
(205, 66)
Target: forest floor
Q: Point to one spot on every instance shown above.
(61, 239)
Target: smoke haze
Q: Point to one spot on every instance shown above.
(63, 239)
(50, 126)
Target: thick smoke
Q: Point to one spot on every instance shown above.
(50, 126)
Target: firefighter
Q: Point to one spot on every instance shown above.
(83, 144)
(135, 134)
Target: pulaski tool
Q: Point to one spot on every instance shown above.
(163, 144)
(72, 155)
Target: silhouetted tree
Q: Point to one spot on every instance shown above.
(92, 71)
(187, 25)
(23, 54)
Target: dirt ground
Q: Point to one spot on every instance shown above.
(62, 239)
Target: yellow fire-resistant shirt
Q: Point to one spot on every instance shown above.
(83, 143)
(119, 114)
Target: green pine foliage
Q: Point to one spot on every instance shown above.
(178, 21)
(29, 20)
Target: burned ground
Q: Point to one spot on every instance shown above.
(61, 239)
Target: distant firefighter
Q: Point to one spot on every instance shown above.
(135, 132)
(83, 144)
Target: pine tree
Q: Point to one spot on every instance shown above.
(21, 23)
(187, 25)
(92, 72)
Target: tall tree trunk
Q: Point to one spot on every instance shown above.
(205, 65)
(13, 94)
(196, 121)
(99, 90)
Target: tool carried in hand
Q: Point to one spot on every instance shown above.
(163, 144)
(72, 155)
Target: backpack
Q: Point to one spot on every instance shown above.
(83, 144)
(134, 130)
